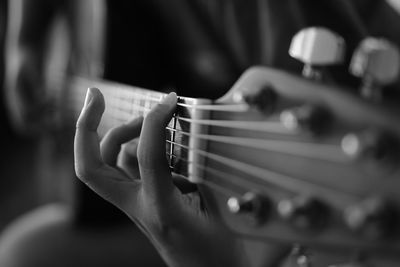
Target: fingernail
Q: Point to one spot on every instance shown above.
(89, 97)
(170, 99)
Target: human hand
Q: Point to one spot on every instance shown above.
(141, 185)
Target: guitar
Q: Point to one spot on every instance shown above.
(281, 158)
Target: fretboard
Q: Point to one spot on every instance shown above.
(124, 103)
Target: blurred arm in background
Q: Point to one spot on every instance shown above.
(44, 36)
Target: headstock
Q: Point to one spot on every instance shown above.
(310, 163)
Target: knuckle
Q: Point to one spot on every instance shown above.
(112, 134)
(130, 149)
(81, 122)
(113, 131)
(85, 174)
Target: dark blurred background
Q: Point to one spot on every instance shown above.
(197, 48)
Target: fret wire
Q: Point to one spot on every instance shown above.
(268, 175)
(173, 133)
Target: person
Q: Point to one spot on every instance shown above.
(47, 38)
(211, 44)
(145, 192)
(177, 225)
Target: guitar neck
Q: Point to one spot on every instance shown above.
(124, 102)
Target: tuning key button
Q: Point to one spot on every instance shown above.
(377, 62)
(373, 146)
(374, 218)
(356, 145)
(299, 256)
(375, 152)
(264, 99)
(304, 212)
(317, 47)
(252, 205)
(310, 118)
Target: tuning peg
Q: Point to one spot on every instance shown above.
(369, 144)
(254, 206)
(317, 47)
(377, 62)
(307, 117)
(303, 212)
(375, 218)
(299, 256)
(263, 99)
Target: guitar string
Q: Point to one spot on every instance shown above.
(328, 152)
(272, 127)
(125, 95)
(224, 190)
(267, 175)
(240, 107)
(320, 151)
(236, 180)
(265, 126)
(174, 129)
(223, 175)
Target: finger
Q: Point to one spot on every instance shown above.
(153, 165)
(183, 184)
(128, 159)
(87, 150)
(104, 180)
(112, 141)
